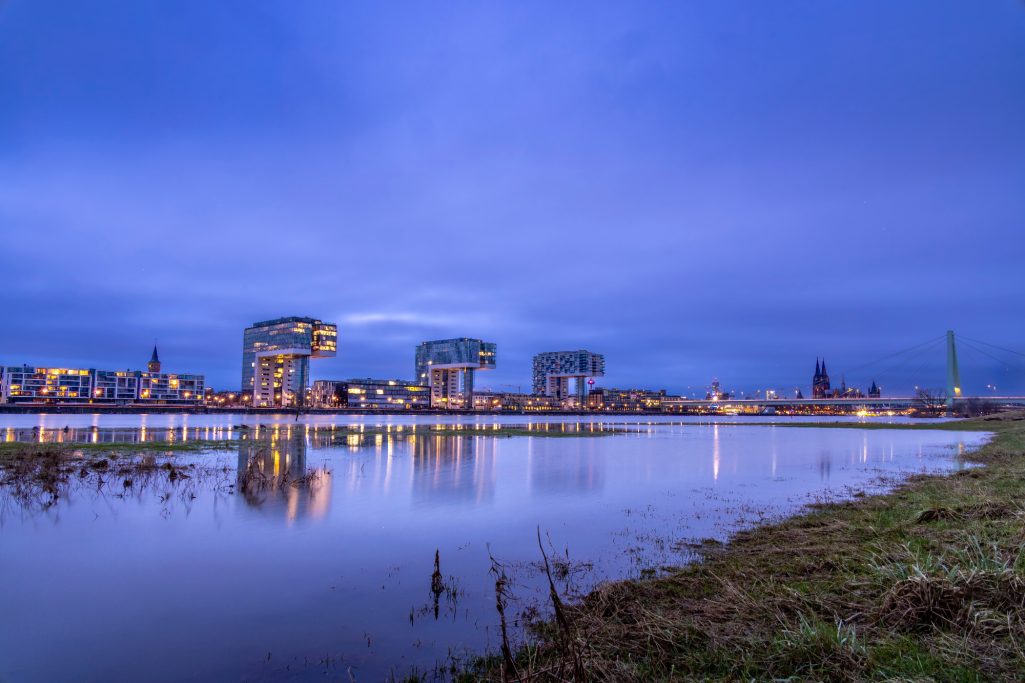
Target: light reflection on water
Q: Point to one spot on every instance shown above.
(292, 581)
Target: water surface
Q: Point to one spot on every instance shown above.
(202, 580)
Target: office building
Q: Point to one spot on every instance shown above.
(513, 402)
(626, 399)
(276, 358)
(371, 394)
(558, 373)
(447, 367)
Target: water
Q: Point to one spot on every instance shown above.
(200, 581)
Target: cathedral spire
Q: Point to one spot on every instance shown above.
(154, 361)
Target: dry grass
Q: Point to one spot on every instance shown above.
(38, 476)
(924, 583)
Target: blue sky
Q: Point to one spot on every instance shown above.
(695, 189)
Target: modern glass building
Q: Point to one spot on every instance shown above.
(371, 394)
(447, 367)
(276, 358)
(554, 371)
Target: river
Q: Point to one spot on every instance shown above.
(330, 574)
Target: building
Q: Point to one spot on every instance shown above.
(511, 402)
(821, 388)
(223, 399)
(716, 393)
(276, 358)
(874, 391)
(371, 394)
(820, 381)
(555, 371)
(67, 386)
(116, 386)
(626, 399)
(154, 361)
(447, 366)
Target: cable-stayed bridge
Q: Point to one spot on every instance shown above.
(936, 363)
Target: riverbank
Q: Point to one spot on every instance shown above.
(924, 583)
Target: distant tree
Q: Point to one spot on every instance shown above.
(976, 407)
(930, 402)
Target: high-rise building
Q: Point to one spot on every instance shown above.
(447, 366)
(555, 370)
(276, 358)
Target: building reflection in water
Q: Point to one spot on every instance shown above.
(561, 466)
(119, 435)
(273, 475)
(453, 468)
(825, 464)
(716, 453)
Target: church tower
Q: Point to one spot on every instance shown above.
(154, 361)
(874, 391)
(820, 383)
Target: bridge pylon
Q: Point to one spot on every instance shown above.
(953, 374)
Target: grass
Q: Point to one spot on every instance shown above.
(924, 583)
(23, 449)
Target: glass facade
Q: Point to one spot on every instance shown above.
(447, 366)
(626, 399)
(553, 371)
(372, 394)
(275, 358)
(453, 353)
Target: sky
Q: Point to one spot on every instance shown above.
(695, 189)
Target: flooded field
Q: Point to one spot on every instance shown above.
(307, 549)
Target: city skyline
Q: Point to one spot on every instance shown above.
(702, 191)
(286, 343)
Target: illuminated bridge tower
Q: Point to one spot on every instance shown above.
(276, 359)
(554, 370)
(953, 373)
(447, 367)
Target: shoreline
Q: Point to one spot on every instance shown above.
(926, 581)
(25, 409)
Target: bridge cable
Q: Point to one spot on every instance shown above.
(920, 367)
(898, 353)
(1001, 375)
(1002, 361)
(893, 364)
(1001, 348)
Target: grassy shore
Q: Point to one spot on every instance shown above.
(20, 449)
(924, 583)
